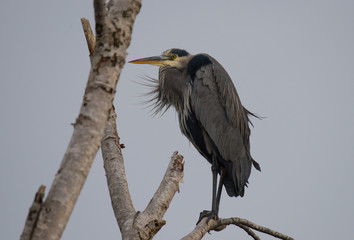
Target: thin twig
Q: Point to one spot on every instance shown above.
(245, 222)
(249, 231)
(89, 35)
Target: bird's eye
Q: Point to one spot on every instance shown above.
(174, 56)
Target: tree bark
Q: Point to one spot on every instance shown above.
(113, 33)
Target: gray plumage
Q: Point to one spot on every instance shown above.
(210, 114)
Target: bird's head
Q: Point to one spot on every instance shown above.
(173, 57)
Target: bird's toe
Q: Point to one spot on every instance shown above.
(207, 214)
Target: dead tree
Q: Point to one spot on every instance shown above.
(96, 126)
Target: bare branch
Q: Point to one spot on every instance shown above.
(100, 11)
(33, 214)
(202, 228)
(89, 36)
(249, 231)
(167, 189)
(160, 202)
(116, 178)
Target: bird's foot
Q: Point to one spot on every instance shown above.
(208, 214)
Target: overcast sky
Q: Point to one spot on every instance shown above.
(292, 62)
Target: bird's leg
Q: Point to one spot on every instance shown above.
(213, 214)
(215, 175)
(218, 195)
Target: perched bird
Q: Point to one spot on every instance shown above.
(210, 115)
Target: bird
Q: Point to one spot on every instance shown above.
(210, 115)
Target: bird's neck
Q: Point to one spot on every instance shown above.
(174, 85)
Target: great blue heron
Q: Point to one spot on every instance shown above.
(210, 115)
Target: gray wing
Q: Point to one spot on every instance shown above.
(217, 107)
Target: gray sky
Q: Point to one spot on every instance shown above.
(291, 62)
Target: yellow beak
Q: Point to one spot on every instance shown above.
(156, 60)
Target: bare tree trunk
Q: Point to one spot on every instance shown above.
(113, 32)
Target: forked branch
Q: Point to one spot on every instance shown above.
(202, 228)
(132, 224)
